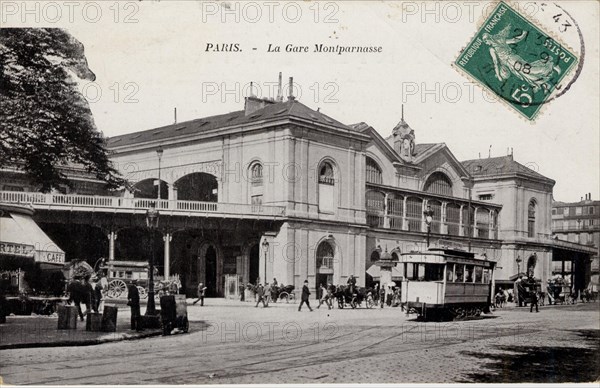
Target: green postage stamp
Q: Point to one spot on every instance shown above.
(516, 60)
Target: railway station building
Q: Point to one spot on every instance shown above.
(280, 190)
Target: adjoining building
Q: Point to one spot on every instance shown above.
(578, 223)
(280, 190)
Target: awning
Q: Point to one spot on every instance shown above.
(20, 236)
(375, 272)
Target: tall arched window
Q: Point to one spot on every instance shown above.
(414, 213)
(373, 172)
(531, 219)
(326, 188)
(325, 255)
(326, 175)
(256, 174)
(438, 183)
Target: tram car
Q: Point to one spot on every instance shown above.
(446, 284)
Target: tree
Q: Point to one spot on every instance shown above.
(45, 122)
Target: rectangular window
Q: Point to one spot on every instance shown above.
(486, 275)
(553, 212)
(450, 272)
(565, 211)
(486, 197)
(460, 273)
(591, 210)
(256, 201)
(478, 274)
(531, 228)
(578, 210)
(469, 274)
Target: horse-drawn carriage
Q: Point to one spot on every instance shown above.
(345, 296)
(532, 288)
(120, 274)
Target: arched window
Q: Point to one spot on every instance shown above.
(531, 219)
(326, 176)
(256, 174)
(373, 172)
(327, 193)
(375, 255)
(438, 183)
(395, 211)
(325, 255)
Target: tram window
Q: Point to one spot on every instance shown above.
(128, 274)
(421, 272)
(486, 275)
(434, 272)
(469, 274)
(450, 273)
(460, 273)
(410, 271)
(478, 274)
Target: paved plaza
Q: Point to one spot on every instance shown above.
(233, 342)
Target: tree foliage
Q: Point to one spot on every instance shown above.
(45, 122)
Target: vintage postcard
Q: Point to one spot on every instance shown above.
(243, 193)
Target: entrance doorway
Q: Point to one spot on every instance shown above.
(323, 279)
(211, 271)
(254, 264)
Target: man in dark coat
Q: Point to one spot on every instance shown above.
(305, 296)
(260, 293)
(133, 300)
(352, 283)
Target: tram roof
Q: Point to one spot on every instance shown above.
(443, 256)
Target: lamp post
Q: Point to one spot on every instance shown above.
(428, 219)
(265, 246)
(159, 153)
(152, 223)
(518, 260)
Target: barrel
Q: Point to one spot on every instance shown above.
(109, 318)
(67, 317)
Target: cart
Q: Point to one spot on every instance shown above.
(121, 273)
(173, 314)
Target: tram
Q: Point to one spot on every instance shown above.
(446, 284)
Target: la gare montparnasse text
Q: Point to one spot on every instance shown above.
(291, 48)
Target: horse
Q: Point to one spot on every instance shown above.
(80, 293)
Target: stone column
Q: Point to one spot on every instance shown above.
(167, 263)
(404, 220)
(112, 236)
(461, 229)
(386, 211)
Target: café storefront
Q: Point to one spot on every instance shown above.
(27, 255)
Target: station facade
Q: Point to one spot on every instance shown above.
(346, 194)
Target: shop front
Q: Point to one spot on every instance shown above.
(30, 262)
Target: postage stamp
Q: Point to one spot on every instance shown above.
(516, 60)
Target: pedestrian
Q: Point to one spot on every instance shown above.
(382, 295)
(242, 289)
(133, 301)
(305, 296)
(352, 283)
(260, 292)
(97, 295)
(201, 291)
(324, 297)
(534, 301)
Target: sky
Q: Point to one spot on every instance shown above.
(152, 56)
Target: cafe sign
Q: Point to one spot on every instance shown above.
(51, 257)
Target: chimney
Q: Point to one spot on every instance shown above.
(175, 114)
(279, 91)
(291, 90)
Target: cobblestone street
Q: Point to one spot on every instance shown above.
(237, 343)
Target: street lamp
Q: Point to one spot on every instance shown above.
(428, 219)
(159, 153)
(152, 223)
(265, 246)
(518, 260)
